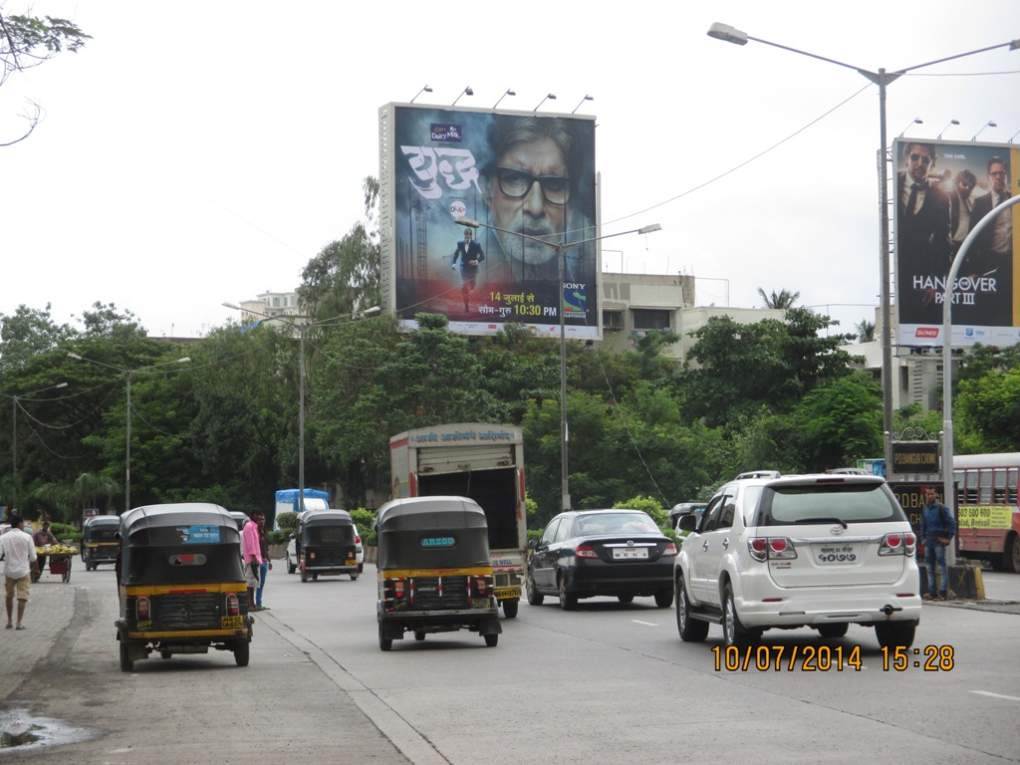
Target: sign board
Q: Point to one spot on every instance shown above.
(986, 517)
(942, 191)
(915, 457)
(528, 180)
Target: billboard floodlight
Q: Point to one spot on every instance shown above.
(425, 89)
(548, 97)
(986, 125)
(586, 98)
(466, 92)
(508, 92)
(943, 130)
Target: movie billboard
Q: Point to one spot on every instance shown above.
(942, 191)
(528, 180)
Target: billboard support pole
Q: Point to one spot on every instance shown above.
(564, 429)
(883, 80)
(947, 361)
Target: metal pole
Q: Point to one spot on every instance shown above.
(888, 379)
(948, 493)
(127, 450)
(301, 419)
(564, 430)
(14, 452)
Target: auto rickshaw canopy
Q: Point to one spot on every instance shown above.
(431, 533)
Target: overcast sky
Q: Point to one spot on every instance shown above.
(200, 152)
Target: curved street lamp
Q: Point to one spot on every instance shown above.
(127, 437)
(883, 79)
(560, 257)
(301, 328)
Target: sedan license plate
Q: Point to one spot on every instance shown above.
(630, 553)
(835, 555)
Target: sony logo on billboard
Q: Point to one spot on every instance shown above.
(446, 133)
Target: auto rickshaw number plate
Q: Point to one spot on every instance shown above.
(232, 622)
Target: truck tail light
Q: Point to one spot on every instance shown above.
(142, 611)
(585, 551)
(233, 605)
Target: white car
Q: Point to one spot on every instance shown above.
(292, 559)
(822, 551)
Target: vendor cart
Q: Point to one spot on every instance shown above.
(59, 558)
(60, 565)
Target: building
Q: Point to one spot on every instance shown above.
(271, 304)
(633, 304)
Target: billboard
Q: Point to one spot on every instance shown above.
(942, 191)
(524, 177)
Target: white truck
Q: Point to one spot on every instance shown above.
(480, 461)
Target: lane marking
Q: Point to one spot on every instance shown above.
(647, 624)
(997, 695)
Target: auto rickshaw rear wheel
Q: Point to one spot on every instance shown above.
(165, 654)
(126, 664)
(354, 577)
(304, 576)
(510, 607)
(315, 576)
(491, 640)
(242, 652)
(419, 635)
(385, 643)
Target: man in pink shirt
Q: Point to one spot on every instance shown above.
(251, 556)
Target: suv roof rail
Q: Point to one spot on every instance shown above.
(759, 474)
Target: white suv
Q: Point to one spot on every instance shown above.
(822, 551)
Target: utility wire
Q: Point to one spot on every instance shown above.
(743, 164)
(630, 435)
(45, 446)
(42, 424)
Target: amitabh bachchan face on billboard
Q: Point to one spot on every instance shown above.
(514, 173)
(943, 190)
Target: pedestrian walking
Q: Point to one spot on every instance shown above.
(938, 527)
(267, 564)
(17, 548)
(251, 557)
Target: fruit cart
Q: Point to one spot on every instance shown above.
(59, 557)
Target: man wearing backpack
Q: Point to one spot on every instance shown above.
(938, 527)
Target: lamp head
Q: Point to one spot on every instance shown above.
(649, 228)
(74, 356)
(726, 33)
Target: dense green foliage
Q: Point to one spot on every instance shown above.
(223, 426)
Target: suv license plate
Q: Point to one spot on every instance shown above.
(630, 553)
(835, 555)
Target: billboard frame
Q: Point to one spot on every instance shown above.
(389, 219)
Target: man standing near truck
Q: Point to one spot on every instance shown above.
(938, 527)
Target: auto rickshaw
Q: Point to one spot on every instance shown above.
(434, 573)
(325, 544)
(99, 542)
(181, 585)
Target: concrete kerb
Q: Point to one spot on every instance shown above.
(412, 744)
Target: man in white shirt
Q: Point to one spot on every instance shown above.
(17, 548)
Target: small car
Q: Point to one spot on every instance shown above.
(620, 553)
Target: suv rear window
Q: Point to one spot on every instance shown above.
(826, 503)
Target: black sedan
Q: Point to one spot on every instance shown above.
(585, 553)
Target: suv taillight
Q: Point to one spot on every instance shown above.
(898, 543)
(233, 605)
(585, 551)
(142, 609)
(771, 548)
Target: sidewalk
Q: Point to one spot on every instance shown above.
(50, 610)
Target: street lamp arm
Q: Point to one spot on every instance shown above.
(114, 367)
(811, 55)
(947, 348)
(1012, 45)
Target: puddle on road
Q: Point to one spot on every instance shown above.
(38, 731)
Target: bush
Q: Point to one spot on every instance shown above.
(65, 532)
(279, 537)
(287, 522)
(365, 521)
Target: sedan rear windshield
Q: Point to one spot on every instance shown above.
(828, 503)
(615, 523)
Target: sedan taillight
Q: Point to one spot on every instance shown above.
(669, 549)
(585, 551)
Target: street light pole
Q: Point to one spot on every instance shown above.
(882, 78)
(301, 329)
(560, 250)
(14, 436)
(127, 429)
(947, 357)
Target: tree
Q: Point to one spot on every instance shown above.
(28, 41)
(989, 408)
(345, 276)
(865, 331)
(839, 422)
(27, 333)
(782, 299)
